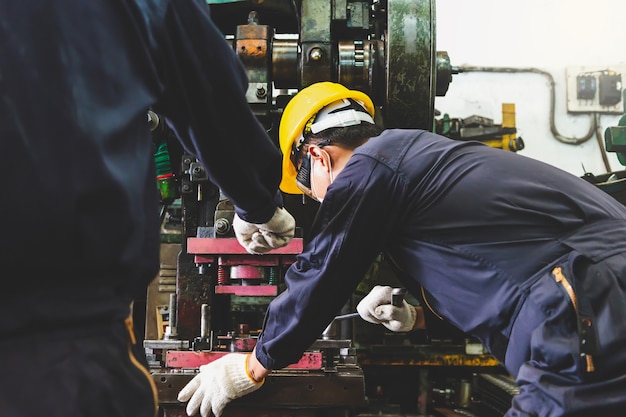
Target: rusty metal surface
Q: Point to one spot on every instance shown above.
(424, 355)
(233, 410)
(160, 289)
(284, 388)
(316, 59)
(187, 359)
(411, 70)
(253, 46)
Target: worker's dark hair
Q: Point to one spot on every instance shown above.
(345, 137)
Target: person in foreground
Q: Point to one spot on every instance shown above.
(80, 238)
(524, 256)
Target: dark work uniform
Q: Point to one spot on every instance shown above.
(80, 227)
(528, 258)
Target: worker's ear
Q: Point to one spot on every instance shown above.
(321, 157)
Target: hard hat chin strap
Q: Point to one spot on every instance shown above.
(343, 118)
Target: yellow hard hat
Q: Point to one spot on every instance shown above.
(300, 109)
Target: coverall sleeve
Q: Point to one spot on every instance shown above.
(204, 102)
(361, 210)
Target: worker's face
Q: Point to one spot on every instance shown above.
(315, 173)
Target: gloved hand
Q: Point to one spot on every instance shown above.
(261, 238)
(218, 383)
(376, 308)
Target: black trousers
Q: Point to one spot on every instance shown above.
(80, 372)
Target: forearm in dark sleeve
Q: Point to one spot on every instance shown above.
(348, 234)
(205, 103)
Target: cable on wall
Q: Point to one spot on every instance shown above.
(600, 139)
(570, 141)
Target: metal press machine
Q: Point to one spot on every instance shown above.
(210, 295)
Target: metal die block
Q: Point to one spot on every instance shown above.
(227, 245)
(188, 359)
(283, 388)
(248, 290)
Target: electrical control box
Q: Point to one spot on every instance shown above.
(596, 89)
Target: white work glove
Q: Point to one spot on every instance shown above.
(260, 238)
(376, 308)
(217, 384)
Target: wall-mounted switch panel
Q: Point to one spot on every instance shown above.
(596, 89)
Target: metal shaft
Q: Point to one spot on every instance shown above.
(397, 296)
(205, 321)
(346, 316)
(171, 331)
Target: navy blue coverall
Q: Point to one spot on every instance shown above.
(484, 231)
(80, 228)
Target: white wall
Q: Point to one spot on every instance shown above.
(549, 35)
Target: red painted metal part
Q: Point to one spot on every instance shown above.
(243, 344)
(248, 290)
(204, 259)
(309, 360)
(247, 272)
(252, 260)
(230, 246)
(187, 359)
